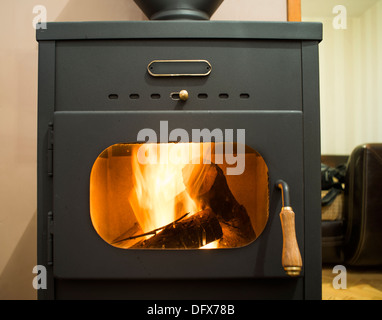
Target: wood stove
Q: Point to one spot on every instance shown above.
(166, 151)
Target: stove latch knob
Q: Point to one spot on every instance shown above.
(181, 95)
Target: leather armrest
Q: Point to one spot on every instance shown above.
(363, 206)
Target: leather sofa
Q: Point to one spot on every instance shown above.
(352, 232)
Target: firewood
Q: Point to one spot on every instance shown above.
(191, 233)
(208, 186)
(125, 239)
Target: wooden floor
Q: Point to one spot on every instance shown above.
(360, 285)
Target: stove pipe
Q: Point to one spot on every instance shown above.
(178, 9)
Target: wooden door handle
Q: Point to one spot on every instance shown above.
(291, 257)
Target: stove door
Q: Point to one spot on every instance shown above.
(81, 251)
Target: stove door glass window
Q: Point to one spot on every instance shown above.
(179, 195)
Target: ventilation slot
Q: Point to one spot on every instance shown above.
(113, 96)
(202, 96)
(223, 96)
(175, 96)
(244, 96)
(134, 96)
(155, 96)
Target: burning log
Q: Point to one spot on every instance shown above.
(191, 233)
(207, 185)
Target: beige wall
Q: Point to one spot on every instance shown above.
(18, 121)
(350, 75)
(252, 10)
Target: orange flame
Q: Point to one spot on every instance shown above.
(159, 196)
(211, 245)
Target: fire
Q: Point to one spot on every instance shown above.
(211, 245)
(159, 196)
(178, 197)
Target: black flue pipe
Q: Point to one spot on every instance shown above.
(178, 9)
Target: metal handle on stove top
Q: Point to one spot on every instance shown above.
(179, 68)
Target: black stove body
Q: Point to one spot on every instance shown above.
(100, 83)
